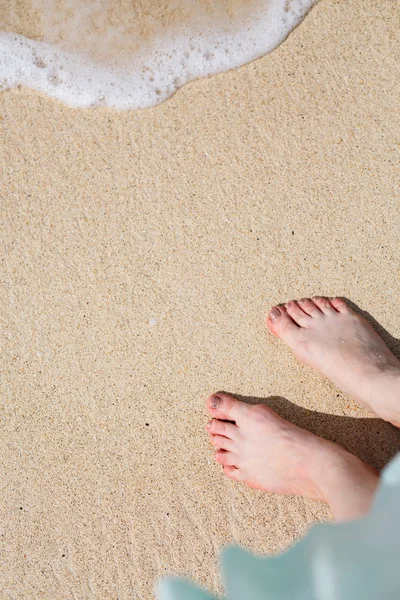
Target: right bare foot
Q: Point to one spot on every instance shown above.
(264, 451)
(329, 336)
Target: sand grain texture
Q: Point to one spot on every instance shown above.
(140, 252)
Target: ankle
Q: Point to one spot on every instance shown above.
(347, 484)
(387, 394)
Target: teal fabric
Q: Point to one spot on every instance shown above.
(358, 560)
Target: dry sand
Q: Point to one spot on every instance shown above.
(140, 252)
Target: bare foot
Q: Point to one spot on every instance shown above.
(329, 336)
(266, 452)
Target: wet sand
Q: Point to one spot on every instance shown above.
(140, 253)
(111, 31)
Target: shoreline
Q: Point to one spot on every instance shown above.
(88, 60)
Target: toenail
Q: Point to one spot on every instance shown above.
(215, 401)
(209, 424)
(274, 313)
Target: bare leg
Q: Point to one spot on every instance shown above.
(267, 452)
(329, 336)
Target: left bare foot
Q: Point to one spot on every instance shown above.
(267, 452)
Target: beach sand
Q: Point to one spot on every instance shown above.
(140, 253)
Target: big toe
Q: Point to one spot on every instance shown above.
(281, 324)
(225, 407)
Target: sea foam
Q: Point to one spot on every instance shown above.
(114, 53)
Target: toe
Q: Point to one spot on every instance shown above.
(281, 324)
(340, 305)
(223, 406)
(217, 427)
(308, 306)
(324, 305)
(298, 315)
(219, 441)
(234, 473)
(225, 458)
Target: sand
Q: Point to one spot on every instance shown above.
(140, 253)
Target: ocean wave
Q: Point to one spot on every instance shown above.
(131, 54)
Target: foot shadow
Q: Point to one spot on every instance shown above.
(392, 343)
(372, 440)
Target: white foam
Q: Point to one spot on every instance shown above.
(139, 72)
